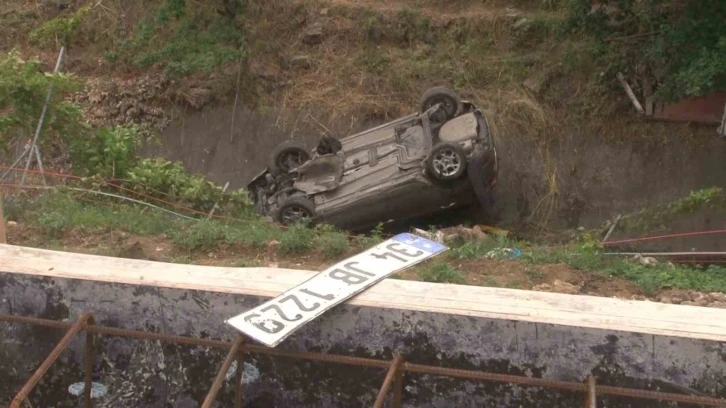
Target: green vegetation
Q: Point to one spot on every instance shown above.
(440, 272)
(649, 219)
(333, 243)
(679, 45)
(61, 29)
(183, 39)
(23, 90)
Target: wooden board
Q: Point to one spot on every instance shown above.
(495, 303)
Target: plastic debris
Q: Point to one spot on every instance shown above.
(98, 390)
(249, 375)
(645, 260)
(504, 253)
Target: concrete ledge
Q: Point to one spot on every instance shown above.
(492, 303)
(678, 349)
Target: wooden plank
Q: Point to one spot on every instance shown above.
(495, 303)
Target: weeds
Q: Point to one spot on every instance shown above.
(296, 239)
(333, 243)
(247, 263)
(182, 41)
(440, 272)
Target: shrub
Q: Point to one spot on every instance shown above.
(333, 243)
(298, 238)
(109, 153)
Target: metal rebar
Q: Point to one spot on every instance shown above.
(52, 357)
(660, 396)
(591, 397)
(88, 380)
(238, 380)
(388, 381)
(331, 358)
(80, 325)
(222, 374)
(398, 390)
(478, 375)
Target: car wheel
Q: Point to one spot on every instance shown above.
(289, 155)
(294, 210)
(444, 96)
(447, 161)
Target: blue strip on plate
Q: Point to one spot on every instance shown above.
(420, 243)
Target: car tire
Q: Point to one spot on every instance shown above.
(444, 96)
(294, 210)
(446, 162)
(289, 155)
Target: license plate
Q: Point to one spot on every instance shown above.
(275, 320)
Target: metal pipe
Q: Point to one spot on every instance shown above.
(88, 381)
(222, 374)
(52, 357)
(398, 391)
(239, 379)
(388, 381)
(666, 253)
(34, 144)
(591, 399)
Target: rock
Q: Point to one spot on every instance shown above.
(301, 61)
(324, 11)
(559, 287)
(639, 297)
(718, 297)
(645, 260)
(564, 287)
(12, 224)
(700, 303)
(273, 243)
(665, 299)
(132, 250)
(718, 304)
(313, 35)
(273, 265)
(478, 234)
(687, 303)
(701, 298)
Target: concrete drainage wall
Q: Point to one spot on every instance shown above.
(152, 374)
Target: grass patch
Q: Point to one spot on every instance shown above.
(440, 272)
(296, 239)
(247, 263)
(182, 39)
(333, 243)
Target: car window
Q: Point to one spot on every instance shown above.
(413, 140)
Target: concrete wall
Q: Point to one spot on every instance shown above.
(595, 179)
(661, 355)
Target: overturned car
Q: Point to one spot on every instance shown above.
(417, 165)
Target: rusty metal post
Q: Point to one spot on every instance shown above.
(591, 398)
(79, 325)
(392, 370)
(398, 389)
(239, 378)
(217, 384)
(88, 380)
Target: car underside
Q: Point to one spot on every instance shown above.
(441, 157)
